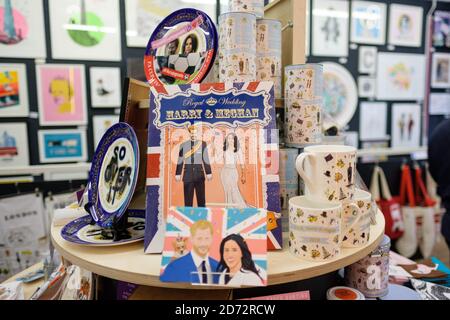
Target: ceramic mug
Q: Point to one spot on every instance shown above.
(360, 233)
(328, 172)
(316, 229)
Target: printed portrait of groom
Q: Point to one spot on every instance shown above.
(197, 266)
(193, 162)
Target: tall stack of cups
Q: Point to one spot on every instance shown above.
(237, 47)
(249, 46)
(288, 181)
(333, 214)
(268, 53)
(303, 91)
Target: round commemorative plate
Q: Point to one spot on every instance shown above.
(80, 231)
(182, 49)
(113, 175)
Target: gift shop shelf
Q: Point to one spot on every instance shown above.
(129, 263)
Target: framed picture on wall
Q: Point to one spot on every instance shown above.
(14, 145)
(106, 87)
(61, 94)
(368, 22)
(372, 120)
(22, 31)
(65, 145)
(85, 29)
(367, 62)
(142, 17)
(406, 124)
(400, 76)
(367, 87)
(441, 29)
(330, 28)
(405, 25)
(101, 124)
(440, 75)
(13, 90)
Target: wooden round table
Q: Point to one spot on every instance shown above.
(129, 263)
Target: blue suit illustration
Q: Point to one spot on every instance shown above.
(181, 269)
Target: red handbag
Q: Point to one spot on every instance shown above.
(389, 205)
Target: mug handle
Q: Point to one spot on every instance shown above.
(346, 229)
(299, 164)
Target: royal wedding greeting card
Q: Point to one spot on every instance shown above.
(215, 246)
(212, 145)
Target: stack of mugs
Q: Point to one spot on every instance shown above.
(249, 46)
(303, 90)
(333, 213)
(288, 181)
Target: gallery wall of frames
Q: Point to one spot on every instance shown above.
(62, 63)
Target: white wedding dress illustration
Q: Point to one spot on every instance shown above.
(230, 177)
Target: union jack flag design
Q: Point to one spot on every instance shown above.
(250, 223)
(161, 185)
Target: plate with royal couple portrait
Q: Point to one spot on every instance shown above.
(224, 247)
(181, 49)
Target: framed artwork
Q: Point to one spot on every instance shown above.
(215, 234)
(61, 94)
(106, 87)
(439, 103)
(400, 76)
(367, 87)
(340, 93)
(405, 127)
(65, 145)
(14, 145)
(440, 75)
(229, 140)
(85, 30)
(13, 90)
(368, 22)
(405, 25)
(367, 62)
(330, 28)
(374, 145)
(101, 124)
(372, 120)
(441, 29)
(142, 17)
(22, 33)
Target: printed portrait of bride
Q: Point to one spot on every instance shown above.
(213, 167)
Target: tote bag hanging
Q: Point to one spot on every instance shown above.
(388, 205)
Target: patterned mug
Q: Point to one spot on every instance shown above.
(316, 229)
(328, 172)
(360, 233)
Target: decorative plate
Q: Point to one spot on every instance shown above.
(181, 49)
(80, 231)
(113, 175)
(340, 93)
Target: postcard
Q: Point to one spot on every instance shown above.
(215, 246)
(212, 145)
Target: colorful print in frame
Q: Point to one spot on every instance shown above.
(13, 90)
(368, 22)
(61, 94)
(233, 241)
(405, 25)
(85, 29)
(13, 145)
(213, 145)
(22, 33)
(65, 145)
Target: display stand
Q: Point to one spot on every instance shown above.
(129, 263)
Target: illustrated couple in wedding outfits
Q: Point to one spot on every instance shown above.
(193, 165)
(235, 268)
